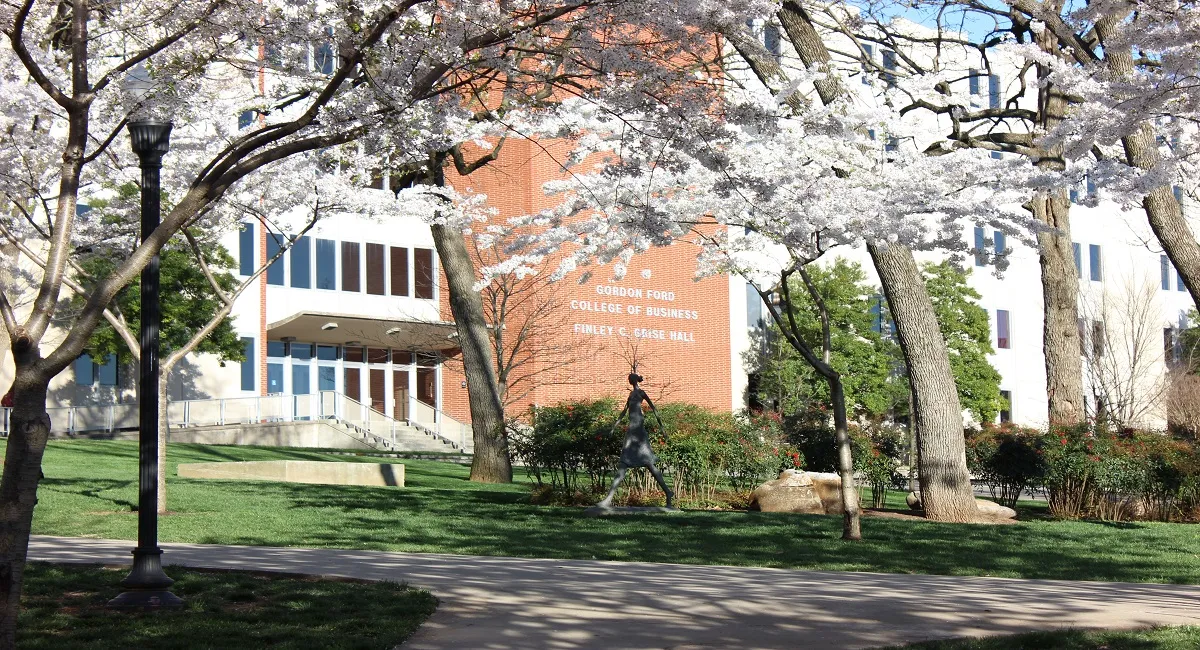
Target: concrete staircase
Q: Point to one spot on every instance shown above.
(408, 438)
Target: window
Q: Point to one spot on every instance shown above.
(423, 272)
(274, 378)
(85, 371)
(246, 246)
(1074, 195)
(772, 40)
(376, 273)
(326, 264)
(323, 55)
(248, 365)
(1000, 242)
(300, 377)
(997, 155)
(301, 260)
(1082, 326)
(1077, 249)
(980, 246)
(1179, 286)
(350, 266)
(754, 308)
(1178, 192)
(892, 144)
(301, 351)
(869, 51)
(889, 67)
(994, 91)
(1090, 184)
(402, 357)
(107, 373)
(1094, 259)
(354, 354)
(1005, 406)
(275, 270)
(377, 355)
(399, 271)
(973, 82)
(877, 313)
(1165, 270)
(276, 349)
(245, 120)
(1170, 352)
(326, 378)
(327, 353)
(1002, 329)
(1098, 338)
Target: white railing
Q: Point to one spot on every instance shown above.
(262, 409)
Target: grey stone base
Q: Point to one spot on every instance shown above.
(600, 511)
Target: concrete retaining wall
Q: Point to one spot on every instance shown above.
(300, 471)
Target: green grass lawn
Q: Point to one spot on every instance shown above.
(90, 488)
(1162, 638)
(63, 606)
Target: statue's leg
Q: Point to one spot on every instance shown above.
(616, 484)
(662, 483)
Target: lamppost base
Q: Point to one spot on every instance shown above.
(146, 586)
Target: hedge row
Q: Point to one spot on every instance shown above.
(574, 447)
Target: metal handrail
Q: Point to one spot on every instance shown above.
(276, 407)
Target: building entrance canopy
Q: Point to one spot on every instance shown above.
(343, 329)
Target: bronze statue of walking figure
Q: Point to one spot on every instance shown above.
(636, 452)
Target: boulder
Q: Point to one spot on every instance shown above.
(807, 492)
(994, 510)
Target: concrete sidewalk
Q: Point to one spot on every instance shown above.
(495, 602)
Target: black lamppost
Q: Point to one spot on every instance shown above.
(147, 586)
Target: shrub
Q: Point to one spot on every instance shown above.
(1008, 459)
(703, 454)
(877, 449)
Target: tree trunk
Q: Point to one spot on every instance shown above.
(941, 451)
(1060, 280)
(491, 463)
(162, 440)
(1060, 296)
(28, 433)
(851, 529)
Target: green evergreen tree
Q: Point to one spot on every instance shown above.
(968, 336)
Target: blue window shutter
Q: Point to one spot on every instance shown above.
(301, 256)
(1000, 243)
(275, 270)
(246, 245)
(980, 245)
(1165, 270)
(1094, 258)
(107, 373)
(1077, 249)
(994, 90)
(85, 370)
(249, 364)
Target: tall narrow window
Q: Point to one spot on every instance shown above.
(85, 370)
(352, 383)
(350, 266)
(1005, 406)
(1081, 324)
(274, 378)
(1179, 286)
(376, 272)
(1090, 185)
(869, 51)
(399, 271)
(326, 378)
(323, 55)
(754, 308)
(1000, 242)
(326, 264)
(301, 259)
(1098, 338)
(1165, 270)
(973, 82)
(107, 373)
(1077, 249)
(1094, 258)
(300, 377)
(423, 272)
(246, 245)
(994, 91)
(275, 270)
(980, 247)
(772, 40)
(889, 67)
(1169, 350)
(1178, 192)
(1002, 328)
(249, 364)
(245, 119)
